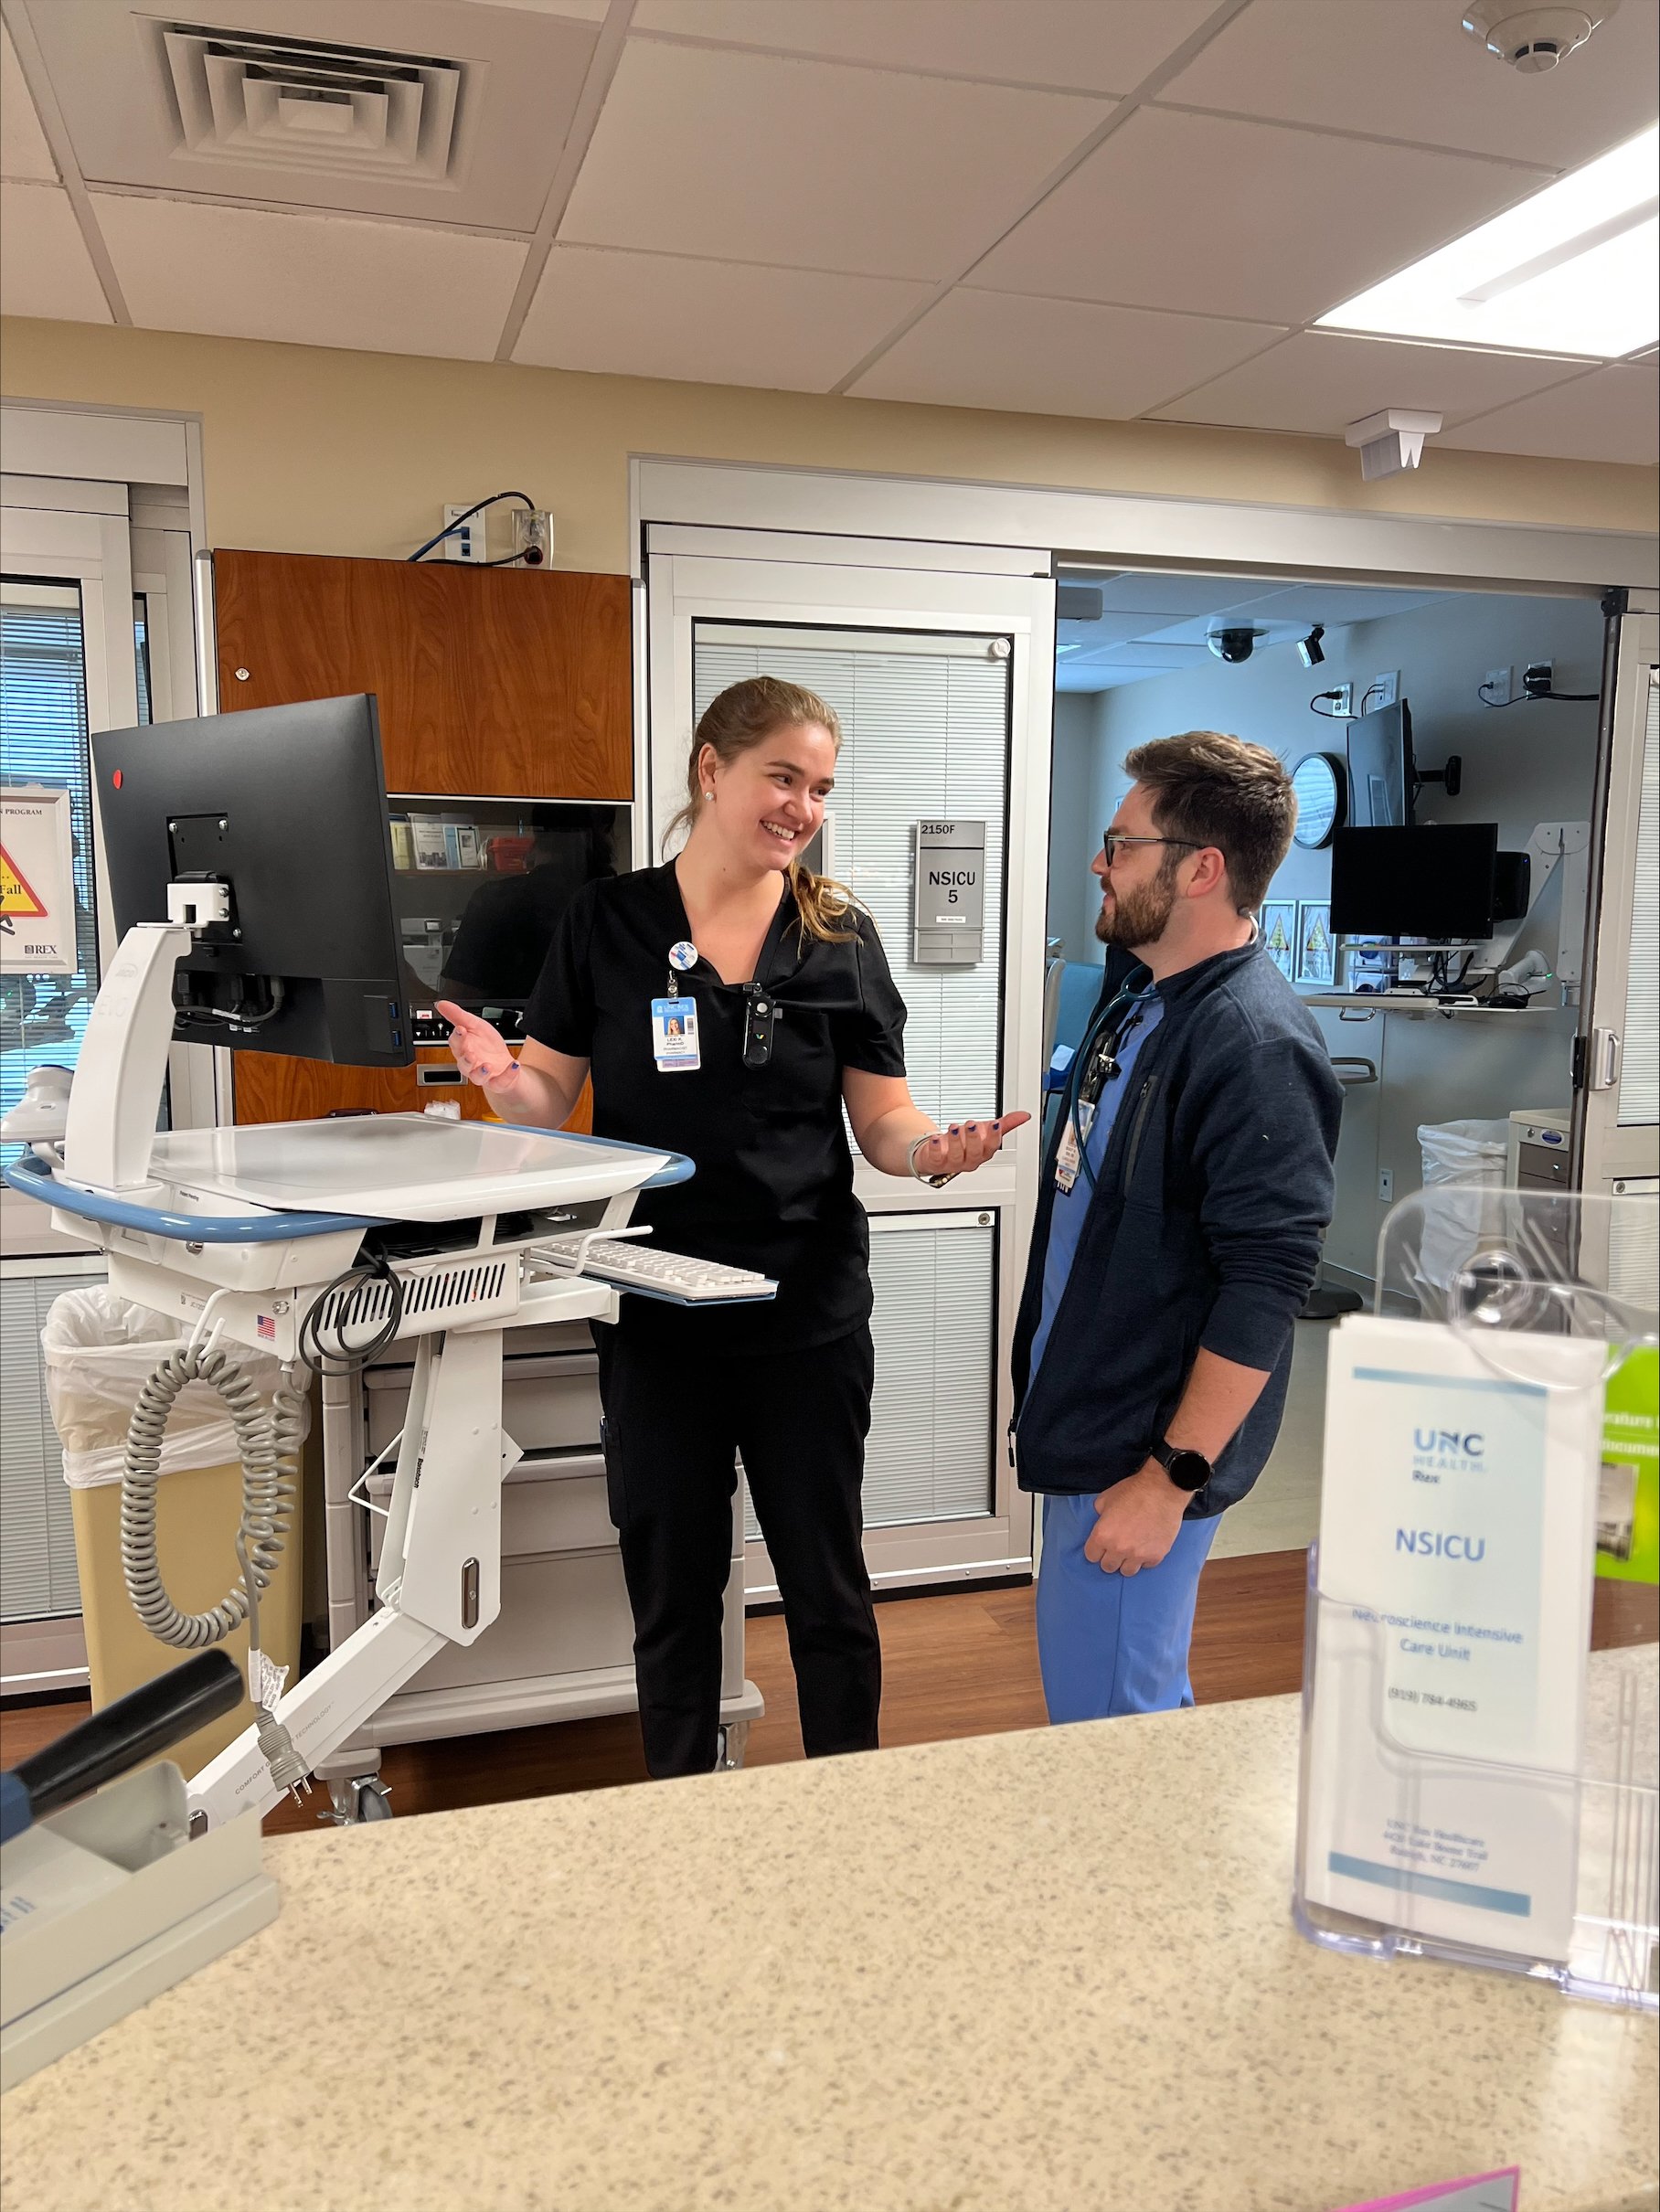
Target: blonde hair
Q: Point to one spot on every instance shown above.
(734, 722)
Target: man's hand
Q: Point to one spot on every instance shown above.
(1139, 1519)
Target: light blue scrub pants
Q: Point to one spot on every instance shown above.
(1113, 1643)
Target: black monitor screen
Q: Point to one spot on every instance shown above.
(1435, 882)
(286, 806)
(1380, 768)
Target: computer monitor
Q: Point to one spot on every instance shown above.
(286, 807)
(1382, 770)
(1435, 882)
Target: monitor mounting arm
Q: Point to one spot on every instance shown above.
(115, 1098)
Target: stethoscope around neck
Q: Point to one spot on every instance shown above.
(1095, 1064)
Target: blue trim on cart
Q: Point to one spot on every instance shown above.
(679, 1169)
(35, 1179)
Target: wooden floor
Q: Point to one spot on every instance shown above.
(959, 1663)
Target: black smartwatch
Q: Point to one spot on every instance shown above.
(1187, 1470)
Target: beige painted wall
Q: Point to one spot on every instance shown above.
(313, 451)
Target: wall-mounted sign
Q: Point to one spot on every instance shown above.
(37, 882)
(949, 914)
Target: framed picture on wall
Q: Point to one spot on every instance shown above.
(1316, 957)
(1278, 922)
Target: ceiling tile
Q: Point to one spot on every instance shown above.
(310, 280)
(1609, 415)
(1337, 605)
(1151, 594)
(1243, 218)
(49, 272)
(1407, 70)
(1318, 383)
(522, 72)
(23, 148)
(650, 314)
(1077, 45)
(739, 156)
(1052, 356)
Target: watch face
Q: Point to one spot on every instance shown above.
(1188, 1470)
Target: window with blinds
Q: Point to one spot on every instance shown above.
(38, 1580)
(1640, 1064)
(43, 740)
(929, 1457)
(925, 737)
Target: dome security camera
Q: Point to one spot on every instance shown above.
(1534, 39)
(1232, 645)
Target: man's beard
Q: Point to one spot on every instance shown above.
(1138, 918)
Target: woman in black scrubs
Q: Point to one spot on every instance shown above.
(775, 1008)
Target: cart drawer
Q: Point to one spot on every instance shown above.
(558, 1616)
(557, 1504)
(547, 1405)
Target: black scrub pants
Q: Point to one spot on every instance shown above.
(800, 1420)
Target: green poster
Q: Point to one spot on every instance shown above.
(1628, 1496)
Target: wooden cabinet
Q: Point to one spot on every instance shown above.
(508, 682)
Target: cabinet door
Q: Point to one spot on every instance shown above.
(511, 682)
(515, 681)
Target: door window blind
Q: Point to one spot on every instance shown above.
(38, 1580)
(929, 1453)
(925, 737)
(1640, 1075)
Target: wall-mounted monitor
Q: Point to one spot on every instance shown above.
(1381, 770)
(1436, 883)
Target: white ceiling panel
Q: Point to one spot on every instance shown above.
(1093, 46)
(651, 314)
(309, 280)
(514, 87)
(739, 156)
(1151, 594)
(1407, 70)
(1318, 382)
(45, 268)
(1052, 356)
(1610, 415)
(1213, 215)
(23, 148)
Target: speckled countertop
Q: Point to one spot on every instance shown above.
(1046, 1973)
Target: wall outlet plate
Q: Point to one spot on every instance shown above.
(1382, 691)
(1386, 1187)
(1539, 679)
(532, 538)
(468, 542)
(1498, 686)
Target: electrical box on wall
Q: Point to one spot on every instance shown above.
(949, 912)
(464, 541)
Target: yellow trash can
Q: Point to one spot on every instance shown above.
(98, 1350)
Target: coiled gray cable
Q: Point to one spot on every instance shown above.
(269, 1439)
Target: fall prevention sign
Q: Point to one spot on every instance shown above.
(37, 882)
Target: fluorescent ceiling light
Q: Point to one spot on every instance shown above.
(1575, 269)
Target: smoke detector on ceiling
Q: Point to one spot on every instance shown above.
(1535, 39)
(248, 97)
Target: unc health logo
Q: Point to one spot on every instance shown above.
(1449, 1452)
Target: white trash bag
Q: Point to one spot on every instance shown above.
(99, 1349)
(1471, 1156)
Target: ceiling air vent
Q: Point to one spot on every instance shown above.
(351, 110)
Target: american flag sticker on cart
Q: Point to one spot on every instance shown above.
(265, 1328)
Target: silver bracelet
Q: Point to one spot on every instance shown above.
(933, 1182)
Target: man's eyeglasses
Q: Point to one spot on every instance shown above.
(1114, 841)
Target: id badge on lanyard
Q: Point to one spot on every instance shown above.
(675, 1033)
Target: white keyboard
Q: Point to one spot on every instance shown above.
(633, 1267)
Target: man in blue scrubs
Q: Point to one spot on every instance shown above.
(1179, 1228)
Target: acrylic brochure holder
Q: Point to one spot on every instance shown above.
(1476, 1784)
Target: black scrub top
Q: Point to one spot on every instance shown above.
(773, 1188)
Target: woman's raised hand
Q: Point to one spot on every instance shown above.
(480, 1052)
(966, 1145)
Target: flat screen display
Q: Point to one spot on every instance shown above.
(1380, 768)
(1435, 882)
